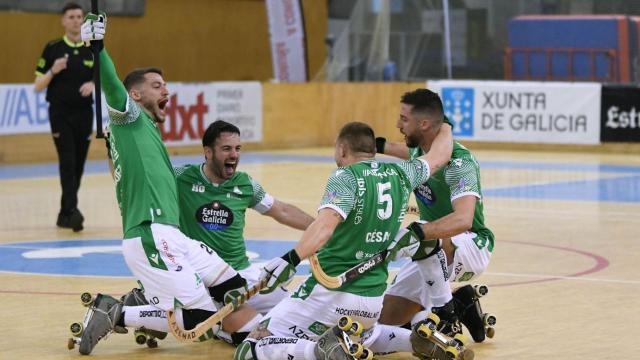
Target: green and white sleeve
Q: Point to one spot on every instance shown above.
(340, 192)
(417, 170)
(262, 201)
(122, 109)
(461, 175)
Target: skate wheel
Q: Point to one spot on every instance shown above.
(356, 329)
(71, 344)
(468, 354)
(345, 323)
(86, 299)
(481, 290)
(356, 350)
(424, 331)
(76, 329)
(141, 337)
(434, 318)
(460, 339)
(452, 352)
(491, 332)
(152, 343)
(366, 354)
(489, 319)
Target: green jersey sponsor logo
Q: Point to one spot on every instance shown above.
(318, 328)
(214, 216)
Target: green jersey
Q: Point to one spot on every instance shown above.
(460, 177)
(145, 181)
(215, 213)
(372, 198)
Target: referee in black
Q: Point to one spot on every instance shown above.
(65, 69)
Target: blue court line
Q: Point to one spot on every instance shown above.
(100, 166)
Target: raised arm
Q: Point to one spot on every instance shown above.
(113, 89)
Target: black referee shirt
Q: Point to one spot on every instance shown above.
(64, 88)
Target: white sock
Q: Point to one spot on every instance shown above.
(384, 339)
(419, 316)
(435, 273)
(148, 316)
(278, 348)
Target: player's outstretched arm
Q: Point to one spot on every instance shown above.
(289, 215)
(94, 28)
(441, 149)
(396, 149)
(318, 233)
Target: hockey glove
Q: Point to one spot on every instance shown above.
(280, 271)
(93, 28)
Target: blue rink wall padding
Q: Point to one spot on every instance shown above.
(576, 32)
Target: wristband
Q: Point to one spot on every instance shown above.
(291, 257)
(417, 230)
(380, 143)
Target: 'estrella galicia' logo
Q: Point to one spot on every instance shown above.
(214, 216)
(458, 107)
(423, 193)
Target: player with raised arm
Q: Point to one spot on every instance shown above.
(451, 204)
(175, 272)
(360, 214)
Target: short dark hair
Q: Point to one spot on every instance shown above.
(426, 102)
(359, 137)
(215, 129)
(71, 6)
(136, 76)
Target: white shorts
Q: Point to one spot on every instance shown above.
(262, 303)
(173, 269)
(469, 261)
(308, 312)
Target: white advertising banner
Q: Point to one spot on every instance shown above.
(522, 112)
(191, 108)
(286, 29)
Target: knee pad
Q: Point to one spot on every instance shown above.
(246, 350)
(193, 317)
(228, 290)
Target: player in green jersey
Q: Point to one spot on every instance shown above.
(451, 203)
(360, 214)
(214, 198)
(174, 271)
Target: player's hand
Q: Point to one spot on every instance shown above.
(406, 242)
(93, 28)
(60, 64)
(279, 271)
(86, 89)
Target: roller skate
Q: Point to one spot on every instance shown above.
(336, 343)
(467, 301)
(99, 321)
(449, 323)
(142, 335)
(429, 343)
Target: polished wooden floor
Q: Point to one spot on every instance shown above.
(563, 275)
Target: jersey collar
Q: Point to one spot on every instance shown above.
(71, 43)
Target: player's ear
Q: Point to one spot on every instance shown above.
(135, 94)
(208, 152)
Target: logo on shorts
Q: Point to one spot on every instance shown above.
(318, 328)
(423, 193)
(214, 216)
(466, 276)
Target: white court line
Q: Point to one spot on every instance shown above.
(579, 278)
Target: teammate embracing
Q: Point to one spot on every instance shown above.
(451, 203)
(360, 214)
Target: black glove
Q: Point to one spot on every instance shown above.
(416, 228)
(380, 142)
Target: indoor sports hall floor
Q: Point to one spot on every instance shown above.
(562, 279)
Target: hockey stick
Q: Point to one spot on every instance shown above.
(187, 336)
(334, 282)
(95, 47)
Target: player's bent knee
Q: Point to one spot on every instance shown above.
(246, 350)
(231, 288)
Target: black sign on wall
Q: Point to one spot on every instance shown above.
(620, 114)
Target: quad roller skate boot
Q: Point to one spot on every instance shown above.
(467, 303)
(142, 335)
(336, 343)
(430, 344)
(449, 323)
(99, 322)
